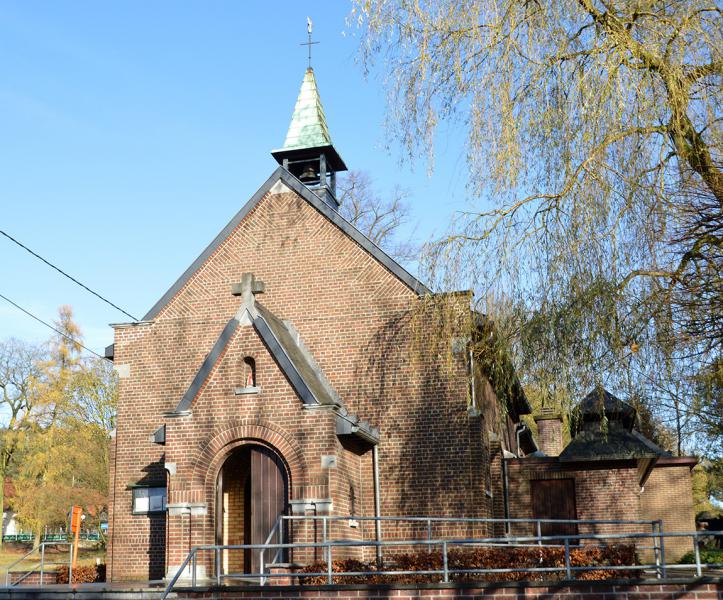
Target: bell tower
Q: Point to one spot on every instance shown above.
(308, 152)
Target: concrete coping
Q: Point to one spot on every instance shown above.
(548, 416)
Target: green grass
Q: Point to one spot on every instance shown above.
(12, 552)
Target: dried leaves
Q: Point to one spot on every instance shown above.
(520, 559)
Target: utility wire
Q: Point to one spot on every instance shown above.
(65, 335)
(73, 279)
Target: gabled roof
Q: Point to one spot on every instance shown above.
(294, 360)
(283, 176)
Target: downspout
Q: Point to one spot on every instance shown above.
(505, 496)
(115, 505)
(377, 502)
(472, 373)
(518, 430)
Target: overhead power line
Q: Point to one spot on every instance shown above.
(73, 279)
(39, 320)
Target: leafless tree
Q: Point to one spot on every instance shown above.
(379, 218)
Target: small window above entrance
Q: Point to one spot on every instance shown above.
(248, 375)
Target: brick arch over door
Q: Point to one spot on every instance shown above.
(223, 442)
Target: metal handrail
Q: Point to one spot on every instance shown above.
(39, 548)
(654, 524)
(445, 544)
(472, 520)
(276, 526)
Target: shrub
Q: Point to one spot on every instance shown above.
(486, 558)
(85, 574)
(707, 556)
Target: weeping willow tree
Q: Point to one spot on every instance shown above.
(594, 154)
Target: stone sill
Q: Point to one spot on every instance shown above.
(240, 391)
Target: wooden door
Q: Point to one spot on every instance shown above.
(554, 499)
(267, 495)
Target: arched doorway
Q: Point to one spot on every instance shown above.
(252, 491)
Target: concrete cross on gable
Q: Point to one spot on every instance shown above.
(248, 288)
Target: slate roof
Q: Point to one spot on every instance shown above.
(617, 440)
(598, 403)
(300, 359)
(501, 373)
(616, 444)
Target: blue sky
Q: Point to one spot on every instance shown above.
(131, 132)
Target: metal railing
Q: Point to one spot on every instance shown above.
(656, 526)
(59, 535)
(430, 522)
(660, 567)
(27, 572)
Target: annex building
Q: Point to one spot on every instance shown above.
(295, 368)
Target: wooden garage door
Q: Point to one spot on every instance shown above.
(554, 499)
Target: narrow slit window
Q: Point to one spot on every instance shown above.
(249, 372)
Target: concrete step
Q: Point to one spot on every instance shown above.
(84, 591)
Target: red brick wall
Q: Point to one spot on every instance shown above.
(695, 590)
(549, 434)
(358, 321)
(50, 577)
(602, 493)
(668, 495)
(615, 493)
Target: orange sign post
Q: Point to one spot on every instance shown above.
(76, 517)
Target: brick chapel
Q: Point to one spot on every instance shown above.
(282, 374)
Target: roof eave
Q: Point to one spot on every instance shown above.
(334, 160)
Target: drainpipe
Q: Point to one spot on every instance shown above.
(377, 502)
(518, 430)
(114, 433)
(505, 496)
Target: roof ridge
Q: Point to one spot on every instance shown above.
(281, 174)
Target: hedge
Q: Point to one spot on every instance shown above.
(712, 556)
(86, 574)
(485, 558)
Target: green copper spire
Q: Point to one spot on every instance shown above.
(308, 127)
(308, 153)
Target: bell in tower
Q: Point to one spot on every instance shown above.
(308, 153)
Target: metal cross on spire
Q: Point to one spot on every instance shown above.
(309, 26)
